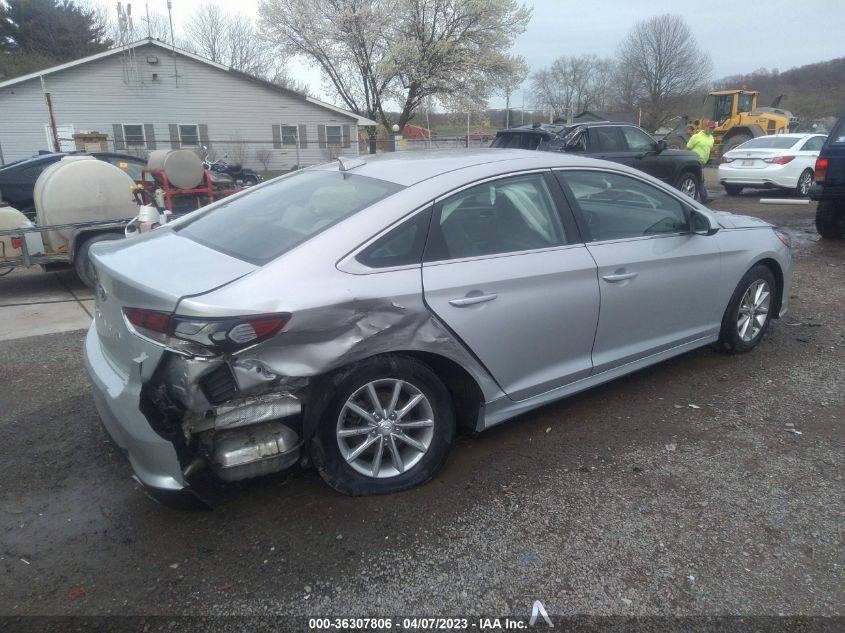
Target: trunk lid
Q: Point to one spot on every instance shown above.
(154, 272)
(752, 158)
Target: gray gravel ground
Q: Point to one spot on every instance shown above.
(681, 490)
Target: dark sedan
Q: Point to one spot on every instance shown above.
(619, 142)
(17, 180)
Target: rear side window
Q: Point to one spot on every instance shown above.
(402, 246)
(270, 220)
(837, 136)
(769, 142)
(606, 138)
(814, 144)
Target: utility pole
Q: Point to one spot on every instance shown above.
(507, 108)
(55, 131)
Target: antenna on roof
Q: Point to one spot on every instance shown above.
(126, 35)
(349, 163)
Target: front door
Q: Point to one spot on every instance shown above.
(657, 279)
(505, 270)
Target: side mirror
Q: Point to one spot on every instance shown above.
(701, 224)
(661, 145)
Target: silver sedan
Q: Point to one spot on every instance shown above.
(353, 315)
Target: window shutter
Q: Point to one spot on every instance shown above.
(174, 135)
(277, 137)
(345, 133)
(321, 136)
(303, 137)
(117, 133)
(150, 135)
(203, 130)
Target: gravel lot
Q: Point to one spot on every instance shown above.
(684, 489)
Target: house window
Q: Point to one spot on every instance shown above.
(289, 135)
(189, 136)
(334, 135)
(133, 135)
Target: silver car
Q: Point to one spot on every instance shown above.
(356, 313)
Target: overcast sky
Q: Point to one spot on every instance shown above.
(740, 36)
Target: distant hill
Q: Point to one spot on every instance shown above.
(811, 92)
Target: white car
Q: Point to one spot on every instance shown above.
(782, 161)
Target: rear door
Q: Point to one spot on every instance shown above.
(510, 276)
(659, 283)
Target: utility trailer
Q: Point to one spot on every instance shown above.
(34, 252)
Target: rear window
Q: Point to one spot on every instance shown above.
(769, 142)
(518, 141)
(271, 220)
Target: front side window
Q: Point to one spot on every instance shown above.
(272, 219)
(189, 135)
(289, 135)
(744, 103)
(334, 135)
(616, 207)
(722, 107)
(605, 138)
(132, 169)
(504, 216)
(637, 140)
(133, 135)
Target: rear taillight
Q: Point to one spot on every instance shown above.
(17, 242)
(821, 169)
(204, 337)
(725, 159)
(779, 160)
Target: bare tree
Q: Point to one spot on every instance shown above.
(572, 84)
(264, 155)
(281, 77)
(665, 63)
(231, 40)
(375, 51)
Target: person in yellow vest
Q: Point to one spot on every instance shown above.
(702, 144)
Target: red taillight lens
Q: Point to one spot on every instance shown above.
(821, 169)
(725, 159)
(779, 160)
(204, 337)
(17, 242)
(148, 319)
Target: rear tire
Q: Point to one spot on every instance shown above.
(733, 142)
(688, 185)
(733, 190)
(749, 311)
(830, 219)
(805, 181)
(342, 428)
(82, 262)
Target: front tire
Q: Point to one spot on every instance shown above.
(830, 219)
(805, 181)
(733, 190)
(387, 427)
(749, 311)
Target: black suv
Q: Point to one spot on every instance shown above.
(17, 180)
(829, 188)
(620, 142)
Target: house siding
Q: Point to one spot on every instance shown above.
(237, 114)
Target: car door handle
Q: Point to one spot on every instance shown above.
(618, 277)
(463, 302)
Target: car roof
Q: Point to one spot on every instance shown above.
(410, 167)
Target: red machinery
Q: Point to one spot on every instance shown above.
(205, 193)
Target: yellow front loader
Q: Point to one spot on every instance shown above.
(738, 119)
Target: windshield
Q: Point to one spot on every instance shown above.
(769, 142)
(271, 220)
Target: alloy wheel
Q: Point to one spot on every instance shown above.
(385, 428)
(804, 183)
(753, 310)
(688, 186)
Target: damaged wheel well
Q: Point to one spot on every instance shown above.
(466, 395)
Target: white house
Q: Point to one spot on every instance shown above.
(148, 95)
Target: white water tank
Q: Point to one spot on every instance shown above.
(10, 218)
(81, 189)
(183, 167)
